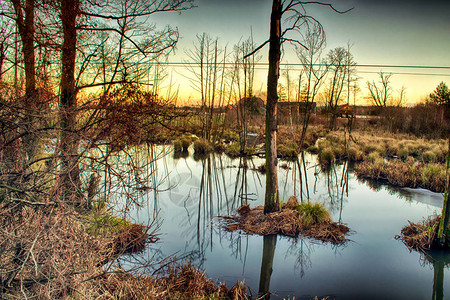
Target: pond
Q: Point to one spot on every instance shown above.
(184, 196)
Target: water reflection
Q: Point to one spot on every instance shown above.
(301, 249)
(439, 260)
(269, 244)
(186, 195)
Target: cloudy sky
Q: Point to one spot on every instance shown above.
(382, 32)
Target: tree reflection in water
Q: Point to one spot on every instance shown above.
(269, 243)
(218, 193)
(440, 260)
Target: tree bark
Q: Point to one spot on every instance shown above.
(69, 179)
(271, 199)
(25, 25)
(2, 58)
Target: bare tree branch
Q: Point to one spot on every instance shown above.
(256, 49)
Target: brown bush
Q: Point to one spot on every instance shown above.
(425, 120)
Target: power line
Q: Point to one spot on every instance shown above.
(284, 66)
(316, 65)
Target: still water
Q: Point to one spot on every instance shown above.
(183, 196)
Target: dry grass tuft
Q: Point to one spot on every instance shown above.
(286, 222)
(420, 236)
(131, 238)
(179, 281)
(47, 253)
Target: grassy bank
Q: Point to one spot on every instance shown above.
(398, 159)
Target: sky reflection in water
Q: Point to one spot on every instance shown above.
(193, 192)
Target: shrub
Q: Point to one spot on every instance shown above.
(185, 143)
(287, 151)
(177, 146)
(202, 146)
(312, 214)
(312, 149)
(233, 150)
(326, 156)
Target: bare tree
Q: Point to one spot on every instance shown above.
(244, 74)
(206, 73)
(313, 67)
(71, 12)
(296, 17)
(340, 64)
(24, 15)
(6, 41)
(380, 93)
(401, 98)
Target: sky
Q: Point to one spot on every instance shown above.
(382, 32)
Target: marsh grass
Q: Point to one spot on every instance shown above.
(420, 236)
(312, 149)
(289, 222)
(399, 159)
(126, 236)
(387, 144)
(288, 150)
(326, 156)
(409, 173)
(313, 214)
(202, 146)
(174, 280)
(67, 262)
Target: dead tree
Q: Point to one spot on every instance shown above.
(296, 17)
(380, 93)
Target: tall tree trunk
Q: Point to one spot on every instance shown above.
(2, 58)
(443, 224)
(70, 180)
(271, 200)
(25, 24)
